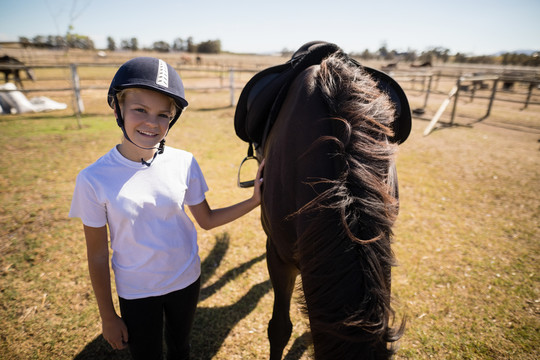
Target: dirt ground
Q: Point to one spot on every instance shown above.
(467, 237)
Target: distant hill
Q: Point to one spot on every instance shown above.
(526, 52)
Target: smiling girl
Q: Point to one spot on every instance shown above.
(135, 195)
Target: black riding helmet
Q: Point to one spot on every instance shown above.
(152, 74)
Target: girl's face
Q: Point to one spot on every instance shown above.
(146, 116)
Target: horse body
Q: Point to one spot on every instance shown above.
(328, 204)
(290, 176)
(12, 66)
(290, 169)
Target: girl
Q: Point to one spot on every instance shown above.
(138, 190)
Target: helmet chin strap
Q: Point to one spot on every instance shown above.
(160, 149)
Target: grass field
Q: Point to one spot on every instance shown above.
(467, 238)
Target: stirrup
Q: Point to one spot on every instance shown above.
(250, 156)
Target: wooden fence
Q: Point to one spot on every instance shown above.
(425, 82)
(226, 79)
(471, 84)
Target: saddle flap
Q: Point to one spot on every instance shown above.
(251, 103)
(265, 91)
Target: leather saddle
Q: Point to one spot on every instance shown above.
(263, 95)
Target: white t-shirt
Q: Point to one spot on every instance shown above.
(153, 241)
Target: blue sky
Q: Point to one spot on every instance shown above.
(466, 26)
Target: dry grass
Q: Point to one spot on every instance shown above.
(467, 239)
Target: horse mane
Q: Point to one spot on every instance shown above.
(363, 201)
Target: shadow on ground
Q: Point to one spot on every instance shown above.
(212, 325)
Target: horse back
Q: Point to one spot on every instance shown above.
(296, 160)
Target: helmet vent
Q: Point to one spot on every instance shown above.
(162, 74)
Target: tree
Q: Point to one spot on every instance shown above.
(410, 55)
(460, 58)
(366, 55)
(79, 41)
(209, 47)
(425, 56)
(383, 51)
(178, 44)
(161, 46)
(131, 44)
(125, 45)
(191, 47)
(391, 55)
(25, 41)
(445, 55)
(111, 45)
(134, 44)
(60, 41)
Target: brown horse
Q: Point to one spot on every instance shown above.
(12, 66)
(329, 197)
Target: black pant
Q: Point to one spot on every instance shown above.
(145, 318)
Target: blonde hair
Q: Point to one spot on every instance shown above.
(121, 95)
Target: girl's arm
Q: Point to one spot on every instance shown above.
(114, 329)
(208, 218)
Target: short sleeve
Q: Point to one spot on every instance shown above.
(197, 187)
(85, 204)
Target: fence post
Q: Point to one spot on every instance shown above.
(473, 90)
(493, 92)
(221, 75)
(437, 80)
(458, 85)
(231, 84)
(428, 90)
(531, 87)
(79, 106)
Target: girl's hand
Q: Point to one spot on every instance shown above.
(258, 183)
(209, 218)
(115, 332)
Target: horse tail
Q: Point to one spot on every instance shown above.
(346, 282)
